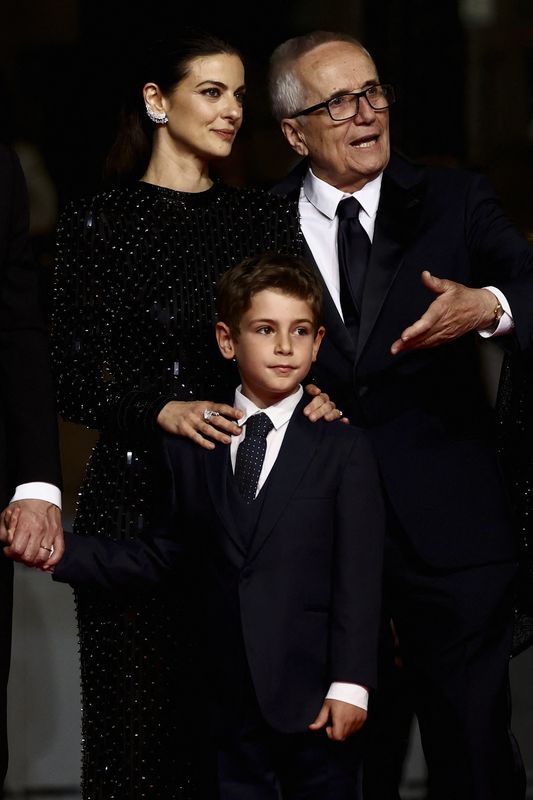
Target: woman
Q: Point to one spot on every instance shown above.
(134, 349)
(515, 413)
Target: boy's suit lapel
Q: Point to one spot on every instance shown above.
(300, 442)
(216, 464)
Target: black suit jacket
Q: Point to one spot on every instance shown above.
(426, 411)
(29, 448)
(304, 599)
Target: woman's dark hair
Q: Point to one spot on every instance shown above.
(165, 63)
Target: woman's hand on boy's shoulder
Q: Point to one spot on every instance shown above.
(201, 421)
(321, 406)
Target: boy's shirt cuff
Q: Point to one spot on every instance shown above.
(349, 693)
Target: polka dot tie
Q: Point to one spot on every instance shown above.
(251, 454)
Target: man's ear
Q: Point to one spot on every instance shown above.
(293, 133)
(224, 340)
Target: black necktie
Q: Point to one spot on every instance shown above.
(353, 251)
(251, 454)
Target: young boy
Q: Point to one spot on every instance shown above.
(286, 553)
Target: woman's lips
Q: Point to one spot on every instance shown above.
(227, 135)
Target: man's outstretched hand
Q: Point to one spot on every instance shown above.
(456, 310)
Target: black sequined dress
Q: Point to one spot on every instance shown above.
(515, 414)
(133, 316)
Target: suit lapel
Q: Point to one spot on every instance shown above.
(299, 444)
(216, 466)
(336, 330)
(397, 221)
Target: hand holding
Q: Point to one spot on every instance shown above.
(340, 719)
(457, 310)
(321, 406)
(199, 419)
(33, 533)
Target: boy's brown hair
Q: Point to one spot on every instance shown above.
(285, 273)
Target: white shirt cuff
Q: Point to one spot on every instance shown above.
(506, 323)
(349, 693)
(38, 491)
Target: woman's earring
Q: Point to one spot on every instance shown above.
(159, 117)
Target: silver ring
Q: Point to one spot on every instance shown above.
(340, 412)
(208, 413)
(50, 549)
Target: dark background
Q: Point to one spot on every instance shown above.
(463, 71)
(464, 76)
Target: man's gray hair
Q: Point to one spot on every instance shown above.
(285, 88)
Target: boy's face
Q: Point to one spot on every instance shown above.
(275, 348)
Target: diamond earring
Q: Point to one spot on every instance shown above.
(159, 117)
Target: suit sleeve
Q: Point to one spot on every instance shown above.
(28, 398)
(357, 569)
(97, 562)
(500, 255)
(108, 564)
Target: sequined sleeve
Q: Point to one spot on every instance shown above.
(81, 333)
(83, 393)
(515, 417)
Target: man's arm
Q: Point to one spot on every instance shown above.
(501, 259)
(29, 414)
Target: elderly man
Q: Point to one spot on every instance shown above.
(30, 474)
(416, 261)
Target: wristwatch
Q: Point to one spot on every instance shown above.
(498, 312)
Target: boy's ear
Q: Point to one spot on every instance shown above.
(225, 340)
(318, 341)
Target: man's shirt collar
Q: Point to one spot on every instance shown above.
(326, 198)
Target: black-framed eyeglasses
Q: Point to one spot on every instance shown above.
(345, 106)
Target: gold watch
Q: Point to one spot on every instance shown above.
(498, 313)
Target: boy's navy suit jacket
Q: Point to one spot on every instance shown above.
(303, 599)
